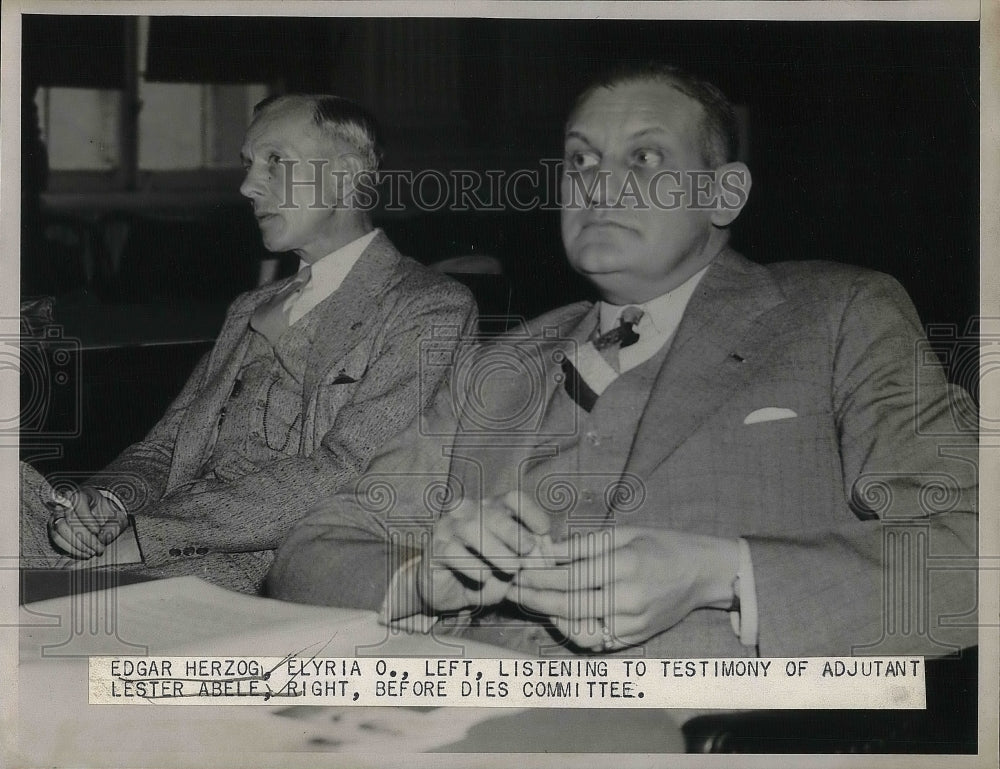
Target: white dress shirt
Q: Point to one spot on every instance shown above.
(327, 275)
(660, 318)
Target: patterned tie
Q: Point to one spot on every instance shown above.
(624, 334)
(271, 318)
(608, 345)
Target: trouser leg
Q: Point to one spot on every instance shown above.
(37, 551)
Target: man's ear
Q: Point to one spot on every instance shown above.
(345, 171)
(732, 188)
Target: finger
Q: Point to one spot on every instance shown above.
(113, 526)
(567, 604)
(590, 545)
(85, 510)
(103, 508)
(88, 541)
(604, 634)
(528, 512)
(592, 639)
(499, 555)
(81, 535)
(62, 539)
(489, 591)
(496, 520)
(443, 588)
(580, 575)
(497, 541)
(110, 532)
(455, 556)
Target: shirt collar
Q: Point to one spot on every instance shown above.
(329, 272)
(661, 314)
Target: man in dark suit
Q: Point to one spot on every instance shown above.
(309, 378)
(717, 459)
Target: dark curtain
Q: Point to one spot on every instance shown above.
(73, 51)
(299, 52)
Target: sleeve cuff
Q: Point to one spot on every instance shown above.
(744, 616)
(402, 607)
(113, 499)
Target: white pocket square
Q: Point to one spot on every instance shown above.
(769, 414)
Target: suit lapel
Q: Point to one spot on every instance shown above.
(227, 358)
(346, 317)
(711, 356)
(573, 334)
(501, 456)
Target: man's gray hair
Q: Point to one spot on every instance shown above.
(339, 118)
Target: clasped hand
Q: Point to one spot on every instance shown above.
(602, 588)
(85, 522)
(476, 550)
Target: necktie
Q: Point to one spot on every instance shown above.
(624, 334)
(271, 318)
(607, 345)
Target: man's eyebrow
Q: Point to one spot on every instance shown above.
(574, 134)
(651, 131)
(265, 148)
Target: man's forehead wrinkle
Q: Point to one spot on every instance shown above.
(638, 101)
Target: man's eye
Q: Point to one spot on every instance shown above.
(648, 158)
(582, 161)
(273, 159)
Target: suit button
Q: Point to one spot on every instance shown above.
(188, 551)
(593, 438)
(175, 551)
(201, 550)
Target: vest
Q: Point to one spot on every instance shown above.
(262, 419)
(577, 476)
(581, 482)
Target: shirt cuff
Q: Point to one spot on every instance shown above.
(402, 607)
(744, 616)
(113, 499)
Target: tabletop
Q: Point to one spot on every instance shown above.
(188, 617)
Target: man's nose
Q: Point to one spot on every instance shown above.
(252, 186)
(605, 187)
(588, 189)
(614, 180)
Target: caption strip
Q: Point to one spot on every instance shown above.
(815, 682)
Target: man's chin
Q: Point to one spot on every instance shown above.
(273, 244)
(594, 261)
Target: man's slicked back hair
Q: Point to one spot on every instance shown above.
(718, 134)
(340, 119)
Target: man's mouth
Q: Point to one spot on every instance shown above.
(601, 224)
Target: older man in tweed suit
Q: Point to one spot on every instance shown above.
(718, 459)
(309, 378)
